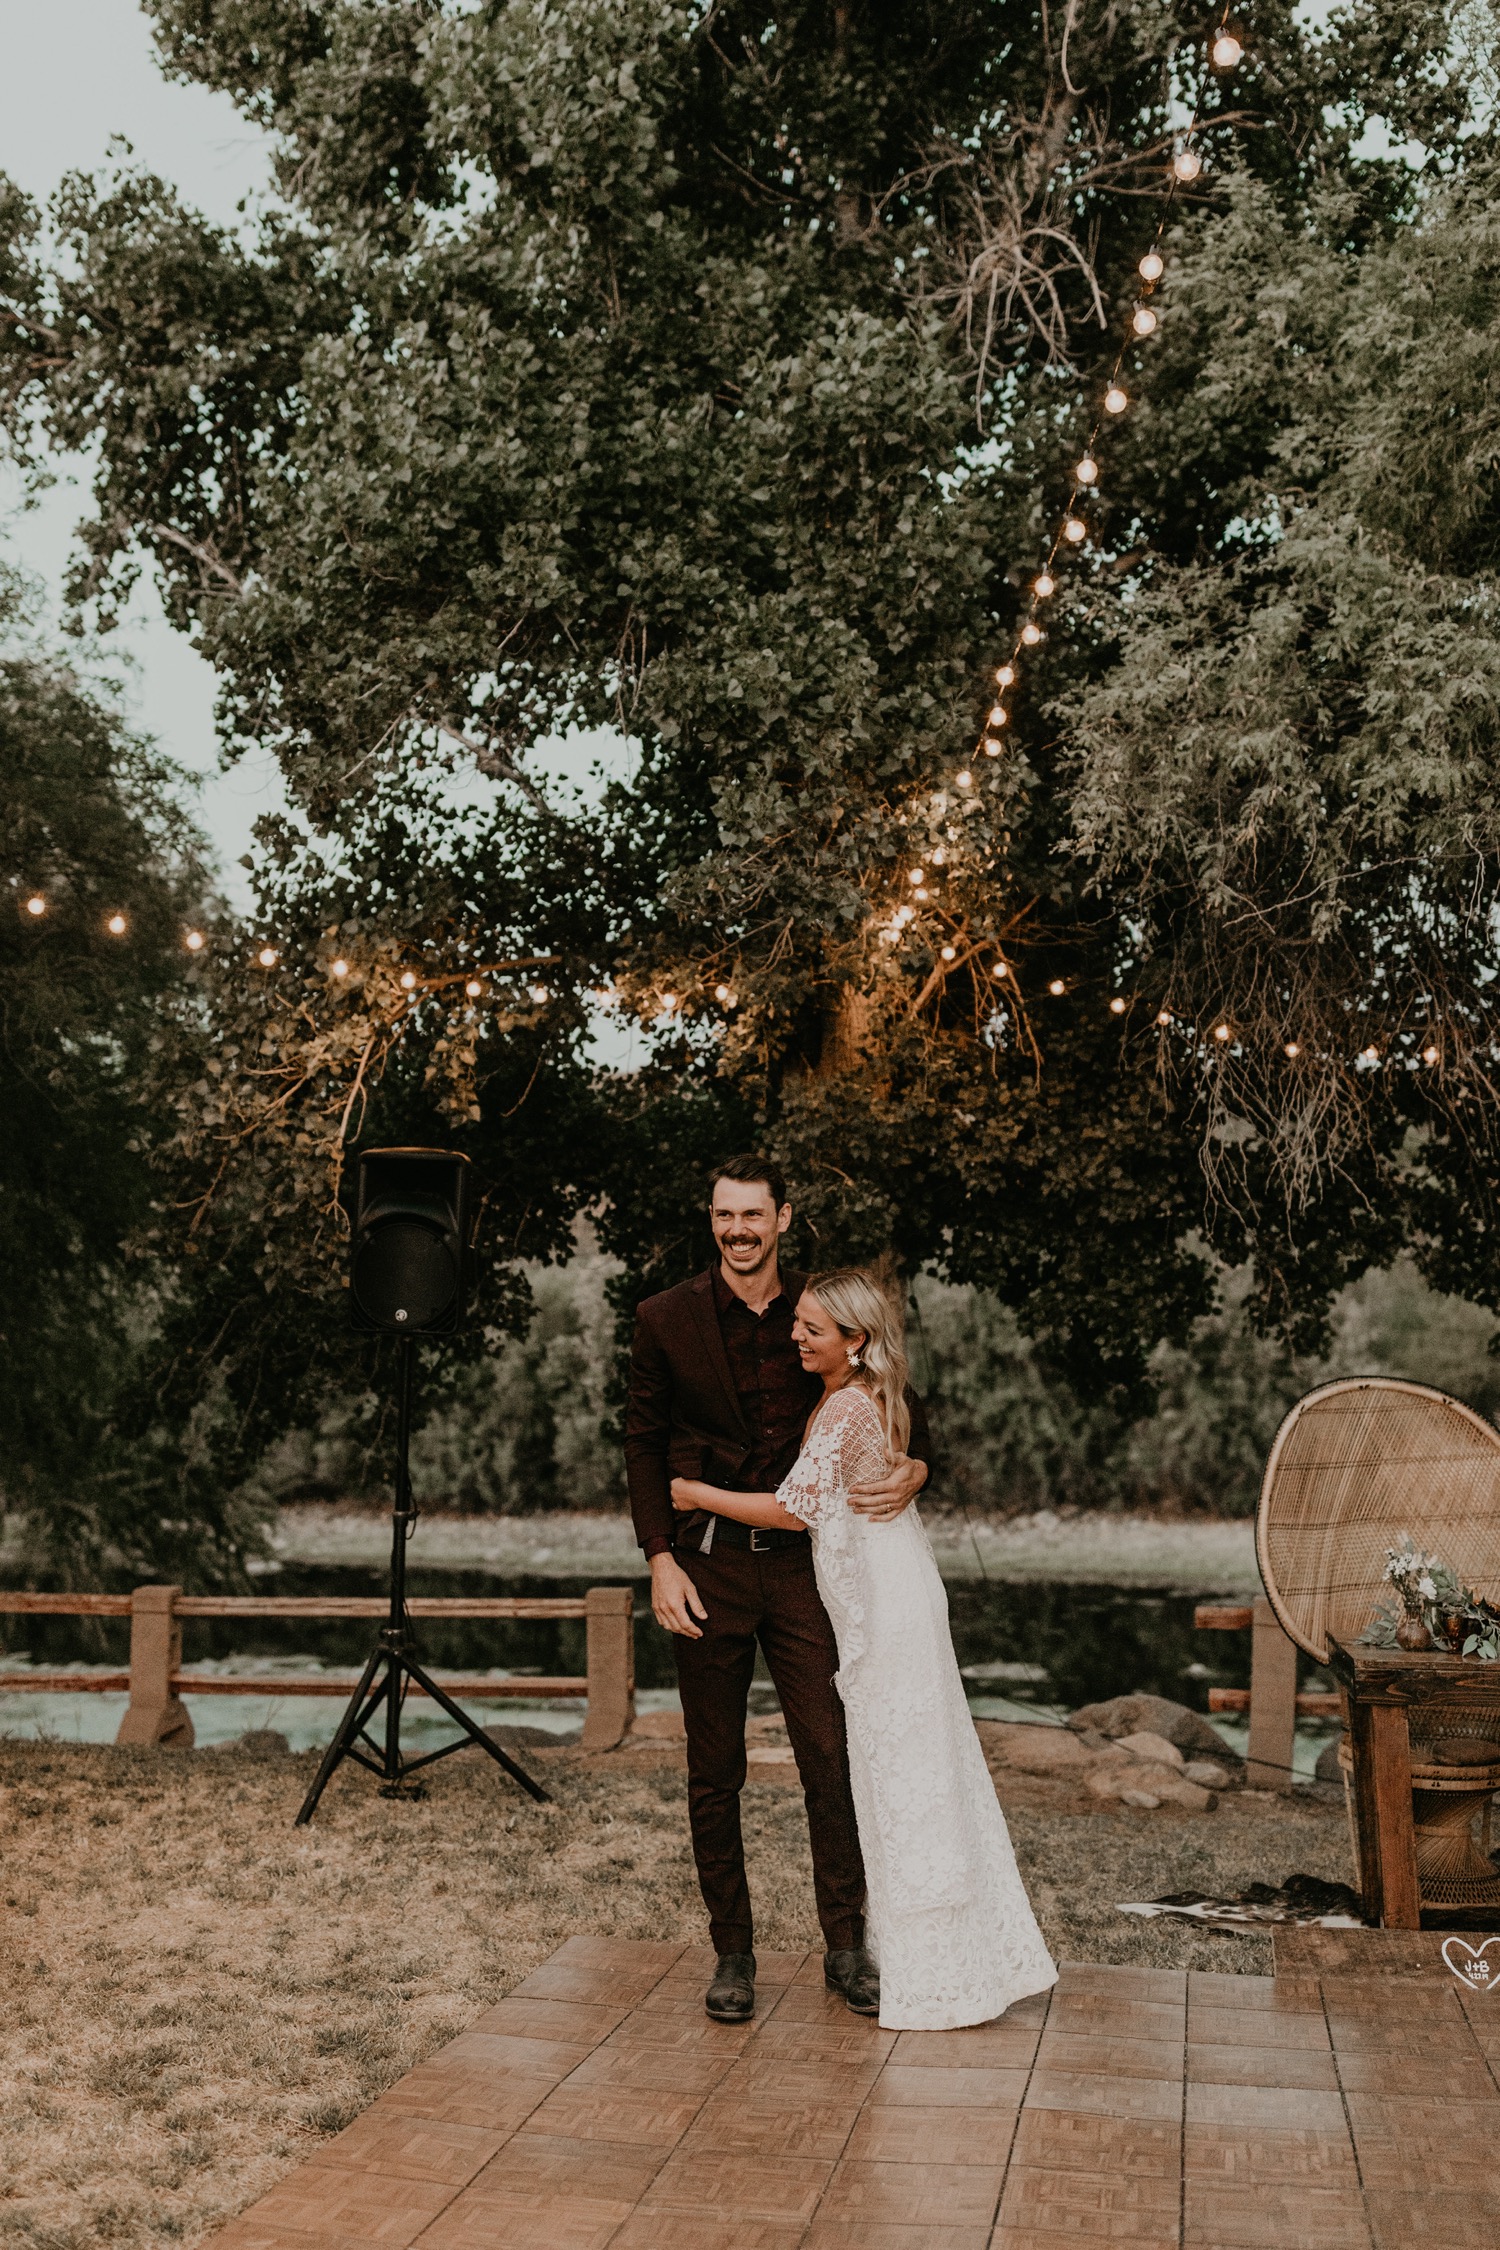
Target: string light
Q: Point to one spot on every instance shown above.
(1005, 675)
(1369, 1055)
(1000, 970)
(1152, 266)
(1291, 1050)
(267, 957)
(539, 994)
(721, 992)
(998, 715)
(474, 988)
(1143, 320)
(949, 952)
(1164, 1015)
(1227, 51)
(964, 778)
(1087, 471)
(1187, 164)
(1075, 529)
(1429, 1055)
(1045, 585)
(408, 980)
(1030, 633)
(924, 895)
(940, 857)
(1057, 988)
(341, 968)
(36, 904)
(117, 925)
(194, 941)
(1221, 1031)
(917, 875)
(1117, 1006)
(1115, 400)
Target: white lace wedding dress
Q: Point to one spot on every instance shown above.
(948, 1918)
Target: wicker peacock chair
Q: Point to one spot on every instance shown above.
(1355, 1465)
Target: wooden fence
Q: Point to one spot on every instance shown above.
(1271, 1698)
(157, 1681)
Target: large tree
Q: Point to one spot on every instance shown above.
(712, 372)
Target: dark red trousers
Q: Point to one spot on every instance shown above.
(773, 1599)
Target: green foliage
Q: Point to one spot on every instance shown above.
(714, 374)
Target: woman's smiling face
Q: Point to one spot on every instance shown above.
(821, 1344)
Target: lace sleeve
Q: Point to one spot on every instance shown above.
(844, 1446)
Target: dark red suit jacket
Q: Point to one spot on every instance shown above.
(684, 1419)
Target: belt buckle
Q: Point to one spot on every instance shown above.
(755, 1541)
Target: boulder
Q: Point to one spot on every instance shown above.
(1040, 1749)
(1155, 1748)
(264, 1742)
(1209, 1774)
(1187, 1731)
(1147, 1787)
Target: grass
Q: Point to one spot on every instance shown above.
(196, 1993)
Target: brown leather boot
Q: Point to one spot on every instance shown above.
(853, 1974)
(730, 1997)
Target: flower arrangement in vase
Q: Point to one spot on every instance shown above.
(1436, 1607)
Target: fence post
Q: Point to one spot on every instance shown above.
(1273, 1701)
(155, 1713)
(610, 1626)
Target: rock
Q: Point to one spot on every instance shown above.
(1140, 1798)
(1149, 1786)
(1209, 1774)
(531, 1738)
(264, 1742)
(1187, 1731)
(1024, 1749)
(1154, 1747)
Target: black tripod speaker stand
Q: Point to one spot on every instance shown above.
(385, 1677)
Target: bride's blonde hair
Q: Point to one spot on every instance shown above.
(856, 1302)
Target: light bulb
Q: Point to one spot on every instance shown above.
(924, 896)
(340, 968)
(1143, 320)
(1291, 1050)
(1087, 471)
(940, 857)
(948, 952)
(1075, 529)
(1115, 400)
(1187, 164)
(1000, 970)
(1227, 51)
(1057, 987)
(474, 988)
(1045, 585)
(1164, 1015)
(991, 746)
(1030, 633)
(1429, 1054)
(917, 875)
(965, 779)
(721, 992)
(1117, 1006)
(1221, 1031)
(1369, 1055)
(1152, 266)
(904, 914)
(116, 925)
(1005, 676)
(998, 715)
(36, 904)
(194, 941)
(267, 957)
(408, 980)
(539, 994)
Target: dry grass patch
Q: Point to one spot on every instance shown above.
(196, 1992)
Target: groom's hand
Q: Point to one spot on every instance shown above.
(884, 1499)
(674, 1598)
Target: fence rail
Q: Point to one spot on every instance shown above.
(156, 1680)
(1271, 1698)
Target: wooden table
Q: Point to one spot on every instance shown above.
(1383, 1687)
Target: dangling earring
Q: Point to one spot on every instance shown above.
(852, 1354)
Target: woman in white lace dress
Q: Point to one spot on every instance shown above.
(949, 1922)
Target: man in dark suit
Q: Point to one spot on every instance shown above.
(718, 1392)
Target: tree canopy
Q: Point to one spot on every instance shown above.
(715, 373)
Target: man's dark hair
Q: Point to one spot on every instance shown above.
(747, 1170)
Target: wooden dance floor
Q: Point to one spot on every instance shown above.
(598, 2106)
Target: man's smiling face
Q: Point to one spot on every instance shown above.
(747, 1225)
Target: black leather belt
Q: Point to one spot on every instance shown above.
(743, 1538)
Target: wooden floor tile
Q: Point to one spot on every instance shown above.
(1089, 2206)
(1157, 2098)
(1209, 1988)
(577, 2021)
(1449, 2078)
(1218, 2156)
(1408, 2218)
(851, 2039)
(1125, 2058)
(664, 2070)
(1118, 2019)
(783, 2188)
(989, 2046)
(773, 2124)
(614, 2113)
(1257, 2027)
(460, 2096)
(391, 2145)
(781, 2074)
(499, 2054)
(528, 2222)
(1223, 2065)
(1066, 2140)
(932, 2136)
(319, 2201)
(898, 2088)
(1261, 2217)
(1246, 2109)
(952, 2195)
(863, 2234)
(671, 2230)
(543, 2165)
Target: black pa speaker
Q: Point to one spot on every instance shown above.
(409, 1257)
